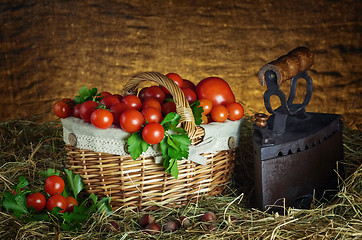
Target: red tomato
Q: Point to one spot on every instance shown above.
(76, 110)
(119, 96)
(102, 118)
(105, 94)
(54, 185)
(151, 102)
(108, 101)
(152, 114)
(235, 110)
(71, 201)
(85, 111)
(206, 104)
(61, 109)
(176, 78)
(153, 133)
(189, 94)
(216, 90)
(155, 92)
(132, 101)
(131, 120)
(168, 107)
(116, 110)
(188, 84)
(141, 94)
(68, 101)
(36, 200)
(57, 201)
(219, 113)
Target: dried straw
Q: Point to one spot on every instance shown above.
(28, 147)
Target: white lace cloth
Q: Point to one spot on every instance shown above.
(114, 140)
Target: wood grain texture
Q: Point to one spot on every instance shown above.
(50, 49)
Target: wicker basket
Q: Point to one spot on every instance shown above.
(142, 183)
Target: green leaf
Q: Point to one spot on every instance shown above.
(172, 118)
(21, 184)
(136, 145)
(197, 111)
(75, 219)
(75, 182)
(172, 168)
(16, 204)
(87, 95)
(49, 172)
(181, 140)
(163, 146)
(170, 126)
(104, 205)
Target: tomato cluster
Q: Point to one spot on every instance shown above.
(149, 107)
(54, 187)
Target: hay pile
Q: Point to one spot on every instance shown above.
(28, 147)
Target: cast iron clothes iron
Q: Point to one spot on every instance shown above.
(295, 152)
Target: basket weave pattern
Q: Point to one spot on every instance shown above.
(142, 183)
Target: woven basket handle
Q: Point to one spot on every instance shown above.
(187, 120)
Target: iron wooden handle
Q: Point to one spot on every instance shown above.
(287, 66)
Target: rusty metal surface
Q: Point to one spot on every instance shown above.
(295, 179)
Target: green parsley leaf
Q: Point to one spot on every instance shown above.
(87, 95)
(49, 172)
(21, 184)
(171, 118)
(15, 203)
(197, 111)
(136, 145)
(75, 182)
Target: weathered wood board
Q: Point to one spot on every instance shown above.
(50, 49)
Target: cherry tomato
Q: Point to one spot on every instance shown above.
(189, 94)
(71, 201)
(235, 110)
(155, 92)
(54, 185)
(219, 113)
(85, 111)
(116, 110)
(108, 101)
(76, 110)
(61, 109)
(176, 78)
(57, 201)
(119, 96)
(216, 90)
(102, 118)
(188, 84)
(168, 107)
(36, 200)
(68, 101)
(153, 133)
(141, 94)
(133, 101)
(152, 114)
(131, 120)
(206, 104)
(151, 102)
(105, 94)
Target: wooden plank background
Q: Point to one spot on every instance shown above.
(50, 49)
